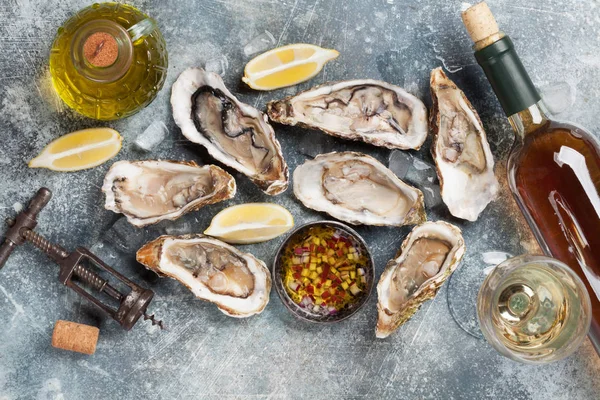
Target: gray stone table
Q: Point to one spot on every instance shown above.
(204, 354)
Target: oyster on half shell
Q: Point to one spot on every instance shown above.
(358, 189)
(464, 161)
(234, 133)
(372, 111)
(147, 192)
(429, 254)
(238, 283)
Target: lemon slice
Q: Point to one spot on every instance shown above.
(250, 223)
(286, 66)
(79, 150)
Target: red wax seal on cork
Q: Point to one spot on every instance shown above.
(101, 49)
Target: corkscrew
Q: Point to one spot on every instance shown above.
(80, 266)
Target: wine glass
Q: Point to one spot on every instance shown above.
(534, 309)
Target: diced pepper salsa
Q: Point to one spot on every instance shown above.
(324, 270)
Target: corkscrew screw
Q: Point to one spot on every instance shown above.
(80, 266)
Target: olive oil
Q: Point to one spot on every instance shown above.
(108, 61)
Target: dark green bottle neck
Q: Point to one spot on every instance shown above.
(508, 77)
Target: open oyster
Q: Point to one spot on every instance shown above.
(429, 254)
(238, 283)
(358, 189)
(372, 111)
(465, 164)
(150, 191)
(234, 133)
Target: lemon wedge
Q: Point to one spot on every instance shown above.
(250, 223)
(79, 150)
(286, 66)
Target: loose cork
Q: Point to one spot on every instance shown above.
(75, 337)
(480, 22)
(101, 49)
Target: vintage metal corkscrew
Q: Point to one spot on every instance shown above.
(79, 266)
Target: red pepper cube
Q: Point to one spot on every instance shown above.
(321, 249)
(296, 275)
(310, 289)
(326, 295)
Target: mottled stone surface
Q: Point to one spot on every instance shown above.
(205, 354)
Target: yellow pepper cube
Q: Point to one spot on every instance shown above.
(330, 252)
(312, 266)
(350, 256)
(352, 274)
(320, 270)
(335, 271)
(345, 285)
(331, 260)
(316, 241)
(314, 275)
(327, 283)
(305, 272)
(318, 301)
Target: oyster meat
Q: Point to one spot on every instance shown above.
(234, 133)
(372, 111)
(238, 283)
(147, 192)
(464, 161)
(358, 189)
(429, 254)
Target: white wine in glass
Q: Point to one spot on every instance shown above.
(534, 309)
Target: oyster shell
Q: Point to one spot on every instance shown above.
(234, 133)
(358, 189)
(372, 111)
(429, 254)
(464, 161)
(150, 191)
(238, 283)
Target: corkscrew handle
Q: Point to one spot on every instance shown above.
(26, 220)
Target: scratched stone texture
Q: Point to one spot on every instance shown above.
(204, 354)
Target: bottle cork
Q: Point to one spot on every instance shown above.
(75, 337)
(101, 49)
(480, 22)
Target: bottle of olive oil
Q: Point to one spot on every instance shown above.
(108, 61)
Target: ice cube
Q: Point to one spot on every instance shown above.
(259, 44)
(420, 165)
(179, 227)
(431, 195)
(218, 65)
(558, 97)
(400, 162)
(312, 145)
(104, 251)
(124, 236)
(152, 136)
(494, 257)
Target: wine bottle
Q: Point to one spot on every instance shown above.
(553, 168)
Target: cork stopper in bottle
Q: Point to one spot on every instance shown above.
(75, 337)
(101, 49)
(480, 22)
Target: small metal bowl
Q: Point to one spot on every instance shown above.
(304, 314)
